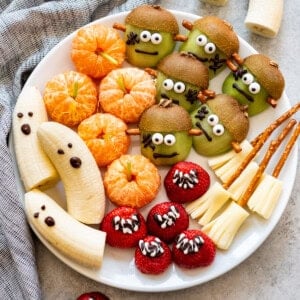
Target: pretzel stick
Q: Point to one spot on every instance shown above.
(262, 166)
(258, 142)
(286, 151)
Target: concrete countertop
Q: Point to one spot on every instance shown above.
(273, 271)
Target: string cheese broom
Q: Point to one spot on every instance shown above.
(224, 228)
(213, 200)
(226, 165)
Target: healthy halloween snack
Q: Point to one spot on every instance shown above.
(124, 227)
(257, 82)
(192, 249)
(81, 243)
(77, 169)
(183, 79)
(150, 32)
(166, 220)
(36, 170)
(131, 180)
(97, 49)
(152, 256)
(105, 135)
(213, 41)
(224, 124)
(126, 93)
(166, 133)
(186, 181)
(70, 97)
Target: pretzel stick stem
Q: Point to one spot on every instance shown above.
(262, 166)
(286, 151)
(259, 142)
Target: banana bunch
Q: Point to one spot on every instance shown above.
(78, 171)
(75, 240)
(36, 170)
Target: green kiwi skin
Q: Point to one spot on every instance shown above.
(143, 60)
(171, 94)
(260, 99)
(182, 146)
(190, 46)
(218, 144)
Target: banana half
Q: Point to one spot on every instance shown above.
(75, 240)
(78, 171)
(35, 168)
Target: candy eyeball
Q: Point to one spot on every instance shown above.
(201, 40)
(157, 138)
(179, 87)
(247, 78)
(218, 130)
(168, 84)
(145, 36)
(169, 140)
(210, 48)
(254, 88)
(156, 38)
(213, 120)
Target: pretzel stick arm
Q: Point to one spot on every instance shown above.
(286, 151)
(271, 150)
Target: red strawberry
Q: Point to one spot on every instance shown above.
(152, 256)
(92, 296)
(166, 220)
(124, 227)
(192, 248)
(186, 181)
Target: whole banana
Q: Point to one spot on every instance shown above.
(75, 240)
(36, 170)
(78, 171)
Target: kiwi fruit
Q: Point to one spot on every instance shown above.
(164, 130)
(222, 121)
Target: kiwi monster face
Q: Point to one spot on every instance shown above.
(244, 87)
(144, 48)
(205, 51)
(150, 32)
(164, 130)
(222, 122)
(255, 82)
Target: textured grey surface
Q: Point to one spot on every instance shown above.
(273, 271)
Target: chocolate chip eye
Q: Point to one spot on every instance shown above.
(254, 88)
(30, 114)
(156, 38)
(247, 78)
(145, 36)
(218, 130)
(213, 120)
(168, 84)
(157, 138)
(169, 140)
(179, 87)
(20, 115)
(70, 145)
(60, 151)
(210, 48)
(201, 40)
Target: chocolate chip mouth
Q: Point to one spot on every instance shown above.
(159, 155)
(146, 52)
(248, 97)
(165, 96)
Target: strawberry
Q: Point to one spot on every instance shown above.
(92, 296)
(192, 249)
(186, 181)
(124, 227)
(166, 220)
(152, 256)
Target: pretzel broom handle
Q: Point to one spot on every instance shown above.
(258, 142)
(286, 151)
(262, 166)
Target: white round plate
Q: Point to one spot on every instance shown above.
(118, 267)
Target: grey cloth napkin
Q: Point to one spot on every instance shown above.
(28, 30)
